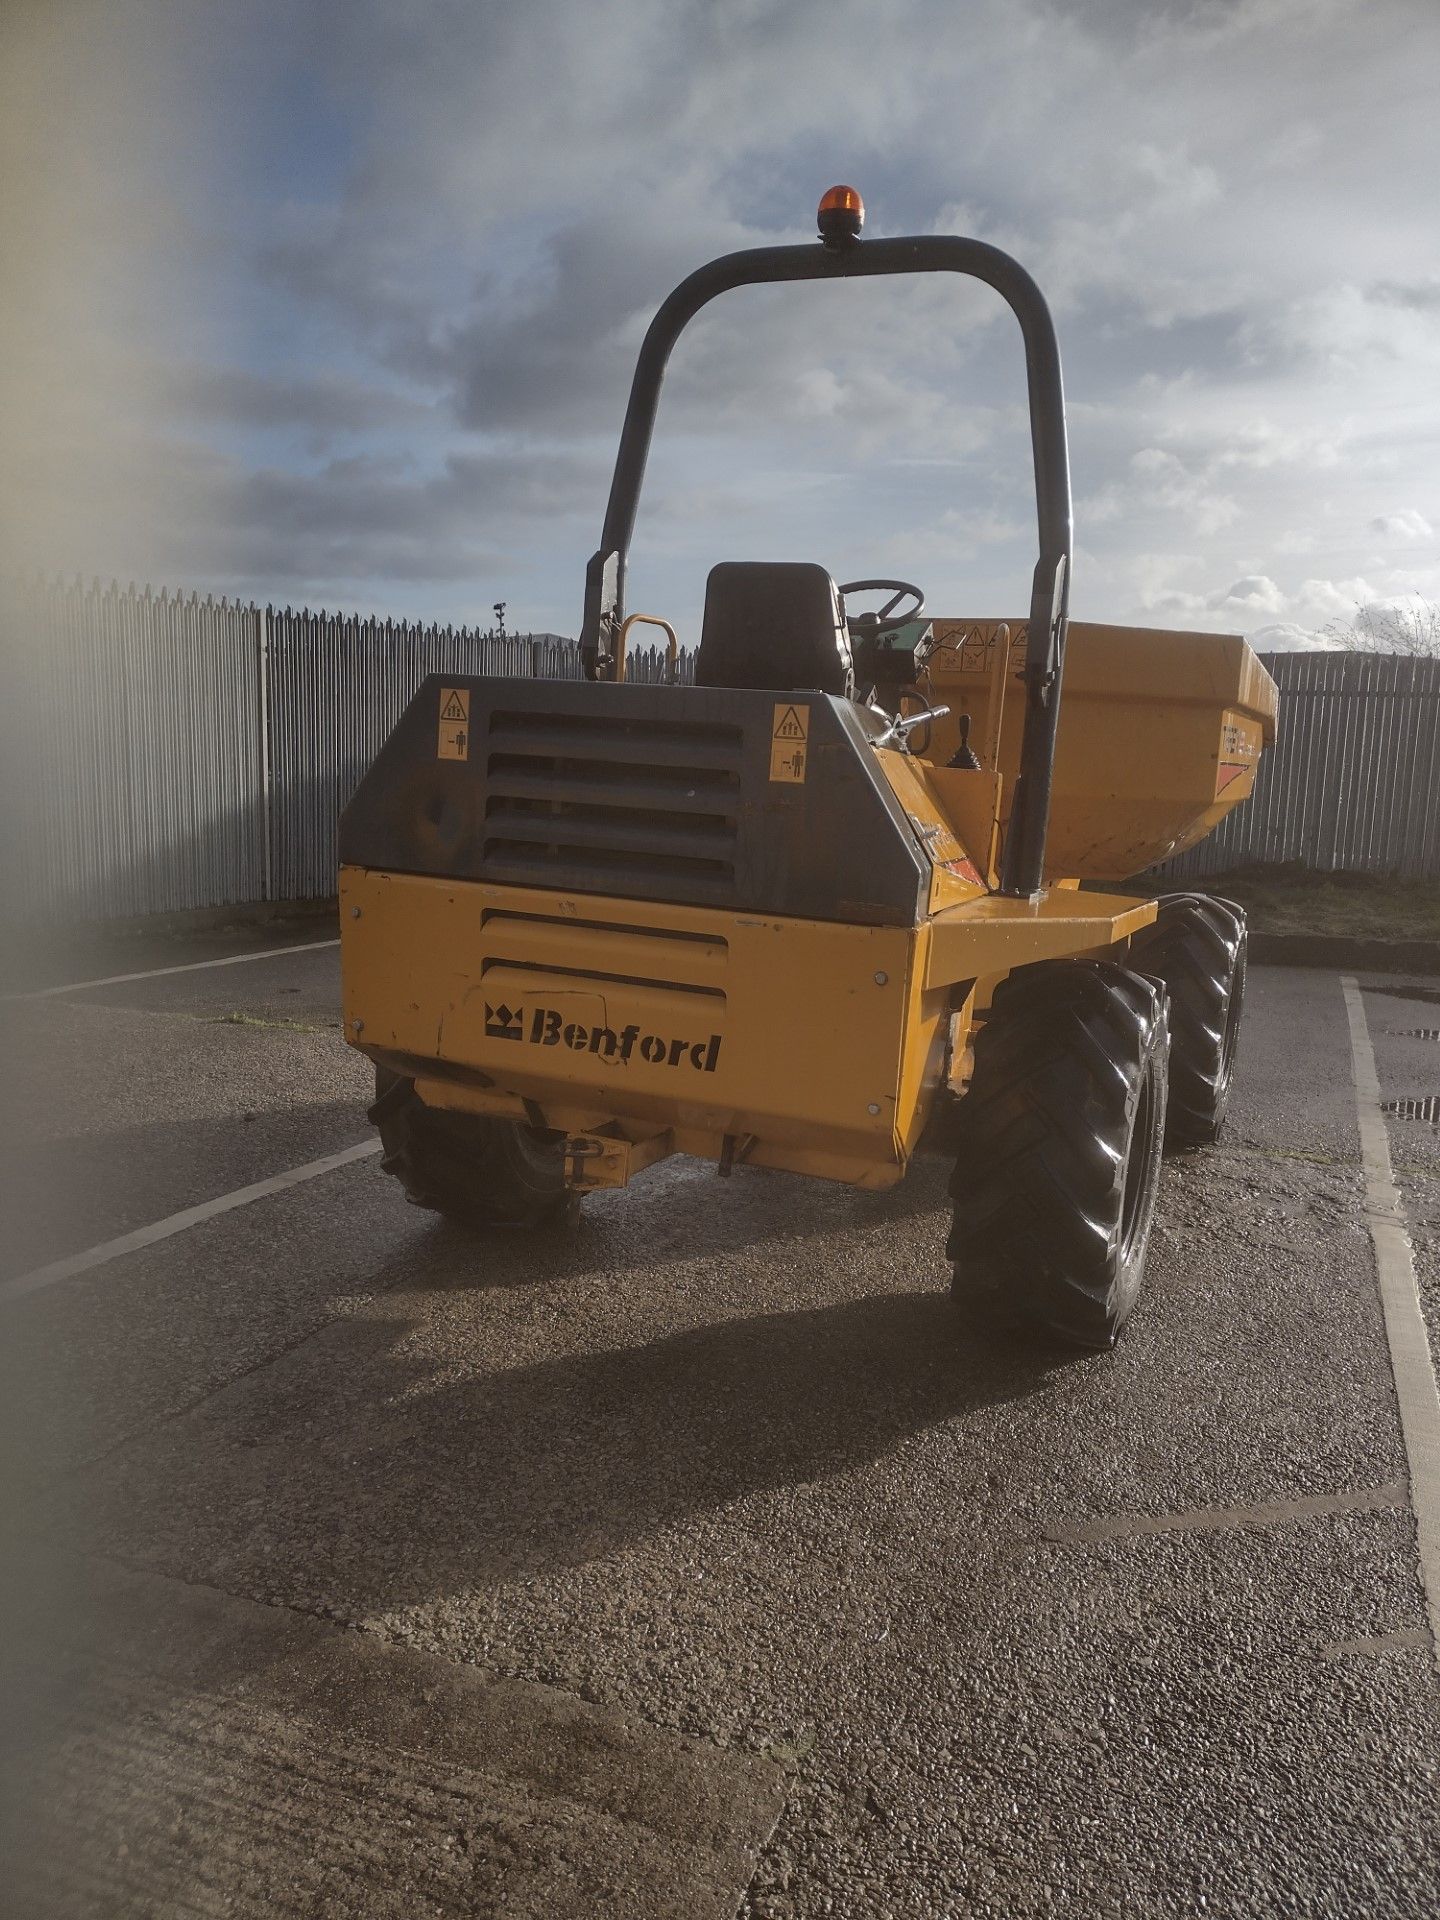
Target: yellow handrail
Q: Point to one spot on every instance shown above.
(672, 644)
(994, 719)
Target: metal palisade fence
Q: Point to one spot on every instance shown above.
(131, 731)
(161, 751)
(1353, 783)
(334, 687)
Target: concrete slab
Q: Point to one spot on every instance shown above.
(197, 1754)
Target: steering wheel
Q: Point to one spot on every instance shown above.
(871, 625)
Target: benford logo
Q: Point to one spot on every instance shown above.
(548, 1028)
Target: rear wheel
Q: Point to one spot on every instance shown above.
(1197, 947)
(1059, 1156)
(484, 1171)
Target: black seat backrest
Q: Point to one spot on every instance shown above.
(773, 623)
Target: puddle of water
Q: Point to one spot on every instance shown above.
(1430, 995)
(1427, 1109)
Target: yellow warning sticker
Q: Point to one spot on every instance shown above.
(789, 742)
(454, 737)
(787, 762)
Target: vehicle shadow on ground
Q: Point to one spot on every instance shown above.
(353, 1477)
(680, 1212)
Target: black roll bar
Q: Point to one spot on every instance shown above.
(1024, 856)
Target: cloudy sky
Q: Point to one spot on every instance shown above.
(338, 302)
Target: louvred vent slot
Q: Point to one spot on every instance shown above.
(602, 802)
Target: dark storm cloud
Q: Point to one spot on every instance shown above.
(369, 519)
(1237, 249)
(558, 353)
(381, 518)
(559, 347)
(1421, 295)
(322, 402)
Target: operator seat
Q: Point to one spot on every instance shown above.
(774, 624)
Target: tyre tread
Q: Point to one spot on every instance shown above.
(469, 1167)
(1197, 946)
(1038, 1182)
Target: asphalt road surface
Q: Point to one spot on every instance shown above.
(694, 1560)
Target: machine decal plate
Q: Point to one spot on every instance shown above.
(944, 850)
(453, 741)
(1239, 750)
(789, 742)
(976, 651)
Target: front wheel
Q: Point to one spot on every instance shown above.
(468, 1166)
(1197, 947)
(1060, 1138)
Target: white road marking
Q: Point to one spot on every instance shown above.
(1410, 1358)
(159, 973)
(1266, 1513)
(26, 1283)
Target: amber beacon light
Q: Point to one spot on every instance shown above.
(841, 216)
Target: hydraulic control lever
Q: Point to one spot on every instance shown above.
(897, 734)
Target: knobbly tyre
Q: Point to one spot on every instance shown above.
(798, 913)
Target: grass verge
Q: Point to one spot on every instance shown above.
(1365, 906)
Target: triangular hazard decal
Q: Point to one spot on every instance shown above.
(789, 726)
(453, 709)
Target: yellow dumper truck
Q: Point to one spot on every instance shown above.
(804, 911)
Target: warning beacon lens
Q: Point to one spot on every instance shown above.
(841, 216)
